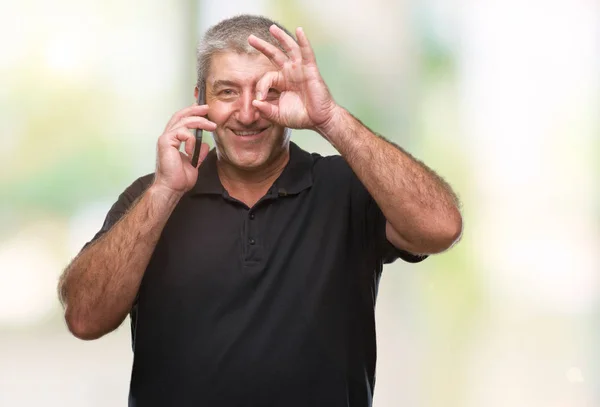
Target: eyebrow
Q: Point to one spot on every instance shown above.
(220, 83)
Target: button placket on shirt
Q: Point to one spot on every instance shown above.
(253, 246)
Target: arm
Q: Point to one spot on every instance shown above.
(420, 208)
(99, 286)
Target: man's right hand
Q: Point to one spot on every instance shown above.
(174, 170)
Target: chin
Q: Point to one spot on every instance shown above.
(252, 155)
(248, 162)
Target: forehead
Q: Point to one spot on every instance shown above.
(237, 67)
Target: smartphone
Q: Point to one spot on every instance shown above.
(198, 132)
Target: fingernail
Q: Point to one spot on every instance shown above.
(258, 96)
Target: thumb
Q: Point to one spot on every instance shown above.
(269, 80)
(266, 109)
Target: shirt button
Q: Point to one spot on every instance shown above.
(251, 241)
(251, 216)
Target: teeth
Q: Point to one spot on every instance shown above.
(246, 133)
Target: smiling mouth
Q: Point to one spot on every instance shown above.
(248, 133)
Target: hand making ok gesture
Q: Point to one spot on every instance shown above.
(304, 101)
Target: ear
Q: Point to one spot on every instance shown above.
(196, 93)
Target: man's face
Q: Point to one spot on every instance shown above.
(244, 139)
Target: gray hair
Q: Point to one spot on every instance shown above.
(232, 35)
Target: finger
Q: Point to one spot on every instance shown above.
(186, 158)
(175, 137)
(266, 109)
(276, 55)
(189, 145)
(193, 110)
(194, 122)
(287, 42)
(305, 49)
(269, 80)
(204, 149)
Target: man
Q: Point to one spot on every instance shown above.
(251, 280)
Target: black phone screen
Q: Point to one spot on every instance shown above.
(198, 132)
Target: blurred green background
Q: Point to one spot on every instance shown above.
(500, 98)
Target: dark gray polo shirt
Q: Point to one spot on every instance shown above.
(266, 306)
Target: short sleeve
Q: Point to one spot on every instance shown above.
(122, 205)
(374, 226)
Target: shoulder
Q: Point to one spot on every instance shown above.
(326, 174)
(331, 166)
(142, 183)
(137, 188)
(334, 178)
(123, 203)
(335, 172)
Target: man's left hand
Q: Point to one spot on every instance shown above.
(295, 94)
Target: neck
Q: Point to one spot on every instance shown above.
(250, 186)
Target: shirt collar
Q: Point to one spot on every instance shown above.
(295, 177)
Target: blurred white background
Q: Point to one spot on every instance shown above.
(499, 97)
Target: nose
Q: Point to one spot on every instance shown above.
(247, 113)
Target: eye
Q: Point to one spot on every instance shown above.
(273, 94)
(226, 92)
